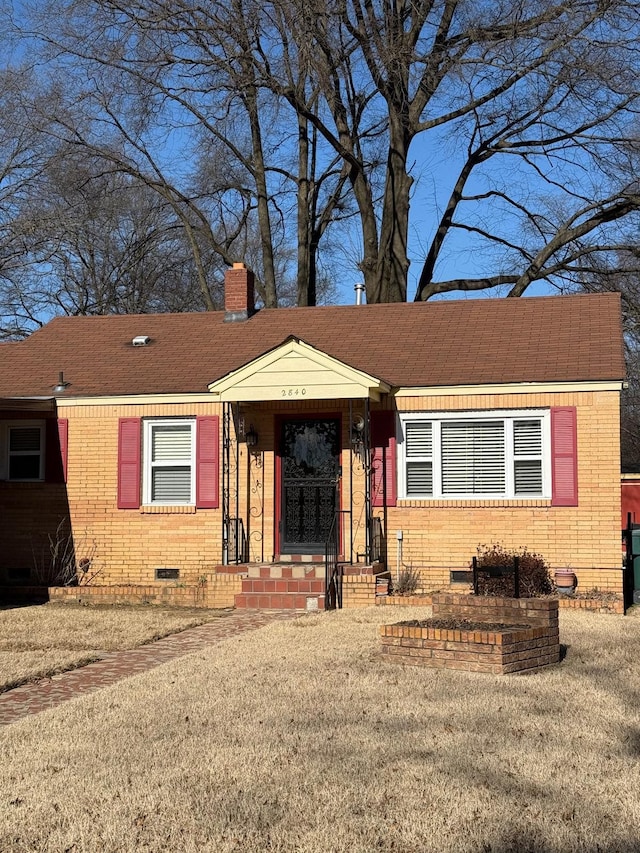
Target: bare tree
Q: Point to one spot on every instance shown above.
(22, 155)
(538, 97)
(251, 119)
(184, 79)
(619, 272)
(107, 245)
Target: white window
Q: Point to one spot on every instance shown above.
(24, 459)
(475, 455)
(169, 462)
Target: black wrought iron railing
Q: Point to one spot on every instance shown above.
(238, 547)
(333, 568)
(377, 540)
(628, 573)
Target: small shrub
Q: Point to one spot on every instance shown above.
(535, 577)
(407, 583)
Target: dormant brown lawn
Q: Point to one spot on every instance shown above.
(297, 738)
(40, 641)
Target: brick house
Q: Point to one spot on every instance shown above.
(223, 451)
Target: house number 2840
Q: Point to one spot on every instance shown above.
(294, 392)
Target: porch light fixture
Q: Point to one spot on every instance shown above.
(357, 435)
(357, 429)
(251, 437)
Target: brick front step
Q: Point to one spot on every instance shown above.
(276, 601)
(282, 586)
(285, 570)
(281, 593)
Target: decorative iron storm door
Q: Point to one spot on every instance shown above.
(310, 467)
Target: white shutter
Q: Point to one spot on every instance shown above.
(473, 458)
(171, 442)
(527, 438)
(24, 439)
(418, 438)
(528, 476)
(25, 453)
(419, 479)
(170, 471)
(527, 443)
(171, 484)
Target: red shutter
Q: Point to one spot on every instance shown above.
(63, 436)
(383, 458)
(564, 456)
(129, 430)
(207, 454)
(55, 461)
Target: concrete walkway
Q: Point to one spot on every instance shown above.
(115, 666)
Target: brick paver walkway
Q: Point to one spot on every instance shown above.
(114, 666)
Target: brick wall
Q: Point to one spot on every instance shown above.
(29, 514)
(216, 591)
(131, 544)
(438, 537)
(442, 536)
(538, 612)
(358, 591)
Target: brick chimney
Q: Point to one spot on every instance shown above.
(238, 294)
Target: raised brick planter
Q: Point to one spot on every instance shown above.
(515, 649)
(219, 592)
(597, 605)
(405, 600)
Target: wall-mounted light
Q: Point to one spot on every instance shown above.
(357, 429)
(251, 437)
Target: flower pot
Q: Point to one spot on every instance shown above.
(565, 581)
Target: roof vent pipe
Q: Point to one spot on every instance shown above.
(62, 385)
(359, 289)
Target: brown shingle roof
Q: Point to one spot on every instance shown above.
(471, 342)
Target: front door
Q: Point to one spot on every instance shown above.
(310, 467)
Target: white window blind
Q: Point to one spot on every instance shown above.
(527, 451)
(419, 450)
(25, 452)
(473, 458)
(170, 463)
(492, 454)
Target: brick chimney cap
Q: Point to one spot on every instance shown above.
(239, 265)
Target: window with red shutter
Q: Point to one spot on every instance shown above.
(168, 461)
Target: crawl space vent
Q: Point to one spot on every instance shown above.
(167, 574)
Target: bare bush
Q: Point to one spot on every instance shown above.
(64, 559)
(535, 578)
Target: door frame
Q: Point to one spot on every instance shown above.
(278, 421)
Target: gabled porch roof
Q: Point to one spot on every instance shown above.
(294, 370)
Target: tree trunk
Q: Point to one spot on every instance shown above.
(264, 216)
(387, 282)
(306, 294)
